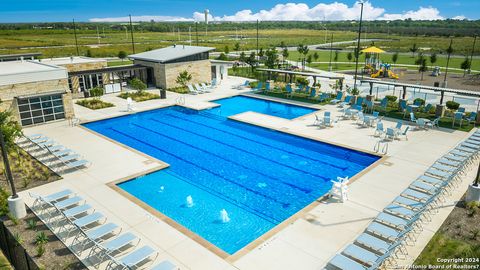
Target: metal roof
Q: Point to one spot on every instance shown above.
(301, 73)
(18, 56)
(14, 72)
(106, 70)
(170, 53)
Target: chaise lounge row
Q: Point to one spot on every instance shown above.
(399, 222)
(69, 216)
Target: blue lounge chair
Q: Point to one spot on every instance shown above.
(50, 199)
(259, 86)
(323, 97)
(192, 90)
(379, 129)
(313, 93)
(342, 262)
(458, 116)
(165, 265)
(427, 108)
(137, 257)
(472, 117)
(384, 104)
(346, 102)
(338, 98)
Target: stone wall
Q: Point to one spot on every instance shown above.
(9, 92)
(84, 66)
(201, 71)
(165, 75)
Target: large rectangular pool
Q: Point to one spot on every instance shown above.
(228, 182)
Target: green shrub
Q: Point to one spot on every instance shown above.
(18, 238)
(302, 81)
(31, 224)
(3, 201)
(40, 250)
(94, 104)
(419, 100)
(137, 84)
(41, 238)
(391, 98)
(139, 96)
(472, 208)
(96, 92)
(452, 105)
(14, 220)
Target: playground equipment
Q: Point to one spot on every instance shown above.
(384, 72)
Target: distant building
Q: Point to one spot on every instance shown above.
(164, 65)
(35, 92)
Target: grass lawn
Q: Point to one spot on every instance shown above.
(458, 237)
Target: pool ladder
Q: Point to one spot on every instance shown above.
(379, 149)
(180, 101)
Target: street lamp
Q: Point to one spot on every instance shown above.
(473, 192)
(15, 203)
(358, 45)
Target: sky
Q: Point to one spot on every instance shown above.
(221, 10)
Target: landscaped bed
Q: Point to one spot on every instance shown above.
(458, 237)
(41, 245)
(139, 96)
(94, 104)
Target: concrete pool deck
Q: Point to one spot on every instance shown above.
(307, 242)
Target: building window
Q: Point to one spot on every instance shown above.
(35, 110)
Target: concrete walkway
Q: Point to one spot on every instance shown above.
(307, 243)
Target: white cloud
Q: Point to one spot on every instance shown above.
(423, 13)
(301, 12)
(459, 17)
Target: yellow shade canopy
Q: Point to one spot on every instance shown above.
(373, 49)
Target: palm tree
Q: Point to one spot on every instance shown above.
(414, 49)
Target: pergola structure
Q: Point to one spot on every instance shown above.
(291, 74)
(442, 90)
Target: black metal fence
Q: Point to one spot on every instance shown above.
(13, 250)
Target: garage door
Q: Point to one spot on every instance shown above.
(36, 110)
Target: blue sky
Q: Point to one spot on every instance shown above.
(84, 10)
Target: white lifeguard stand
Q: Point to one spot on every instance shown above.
(339, 189)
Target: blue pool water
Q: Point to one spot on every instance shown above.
(259, 176)
(240, 104)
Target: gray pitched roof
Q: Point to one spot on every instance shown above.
(170, 53)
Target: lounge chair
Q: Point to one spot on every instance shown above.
(96, 235)
(206, 88)
(433, 123)
(259, 86)
(115, 246)
(199, 88)
(192, 90)
(458, 116)
(135, 258)
(412, 117)
(313, 93)
(427, 108)
(404, 133)
(472, 117)
(323, 97)
(50, 199)
(342, 262)
(289, 90)
(76, 164)
(346, 102)
(379, 131)
(165, 265)
(242, 86)
(390, 134)
(337, 99)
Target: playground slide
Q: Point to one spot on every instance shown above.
(375, 75)
(392, 75)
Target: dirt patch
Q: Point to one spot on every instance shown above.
(27, 171)
(56, 255)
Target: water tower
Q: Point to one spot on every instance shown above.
(206, 21)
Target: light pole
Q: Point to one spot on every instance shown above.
(131, 33)
(358, 45)
(75, 34)
(15, 203)
(471, 55)
(449, 52)
(473, 192)
(331, 48)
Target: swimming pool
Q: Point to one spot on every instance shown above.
(240, 104)
(258, 176)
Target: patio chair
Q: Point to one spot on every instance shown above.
(342, 262)
(76, 164)
(374, 243)
(328, 122)
(323, 97)
(259, 86)
(192, 90)
(390, 134)
(165, 265)
(399, 125)
(359, 101)
(427, 108)
(242, 86)
(404, 133)
(412, 117)
(403, 105)
(379, 131)
(433, 123)
(313, 93)
(472, 117)
(408, 110)
(289, 90)
(268, 87)
(50, 199)
(458, 116)
(346, 102)
(461, 109)
(134, 258)
(347, 114)
(115, 246)
(318, 121)
(96, 235)
(360, 118)
(384, 104)
(337, 99)
(214, 83)
(369, 106)
(205, 88)
(417, 103)
(421, 124)
(199, 88)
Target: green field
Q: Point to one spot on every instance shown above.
(324, 56)
(109, 42)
